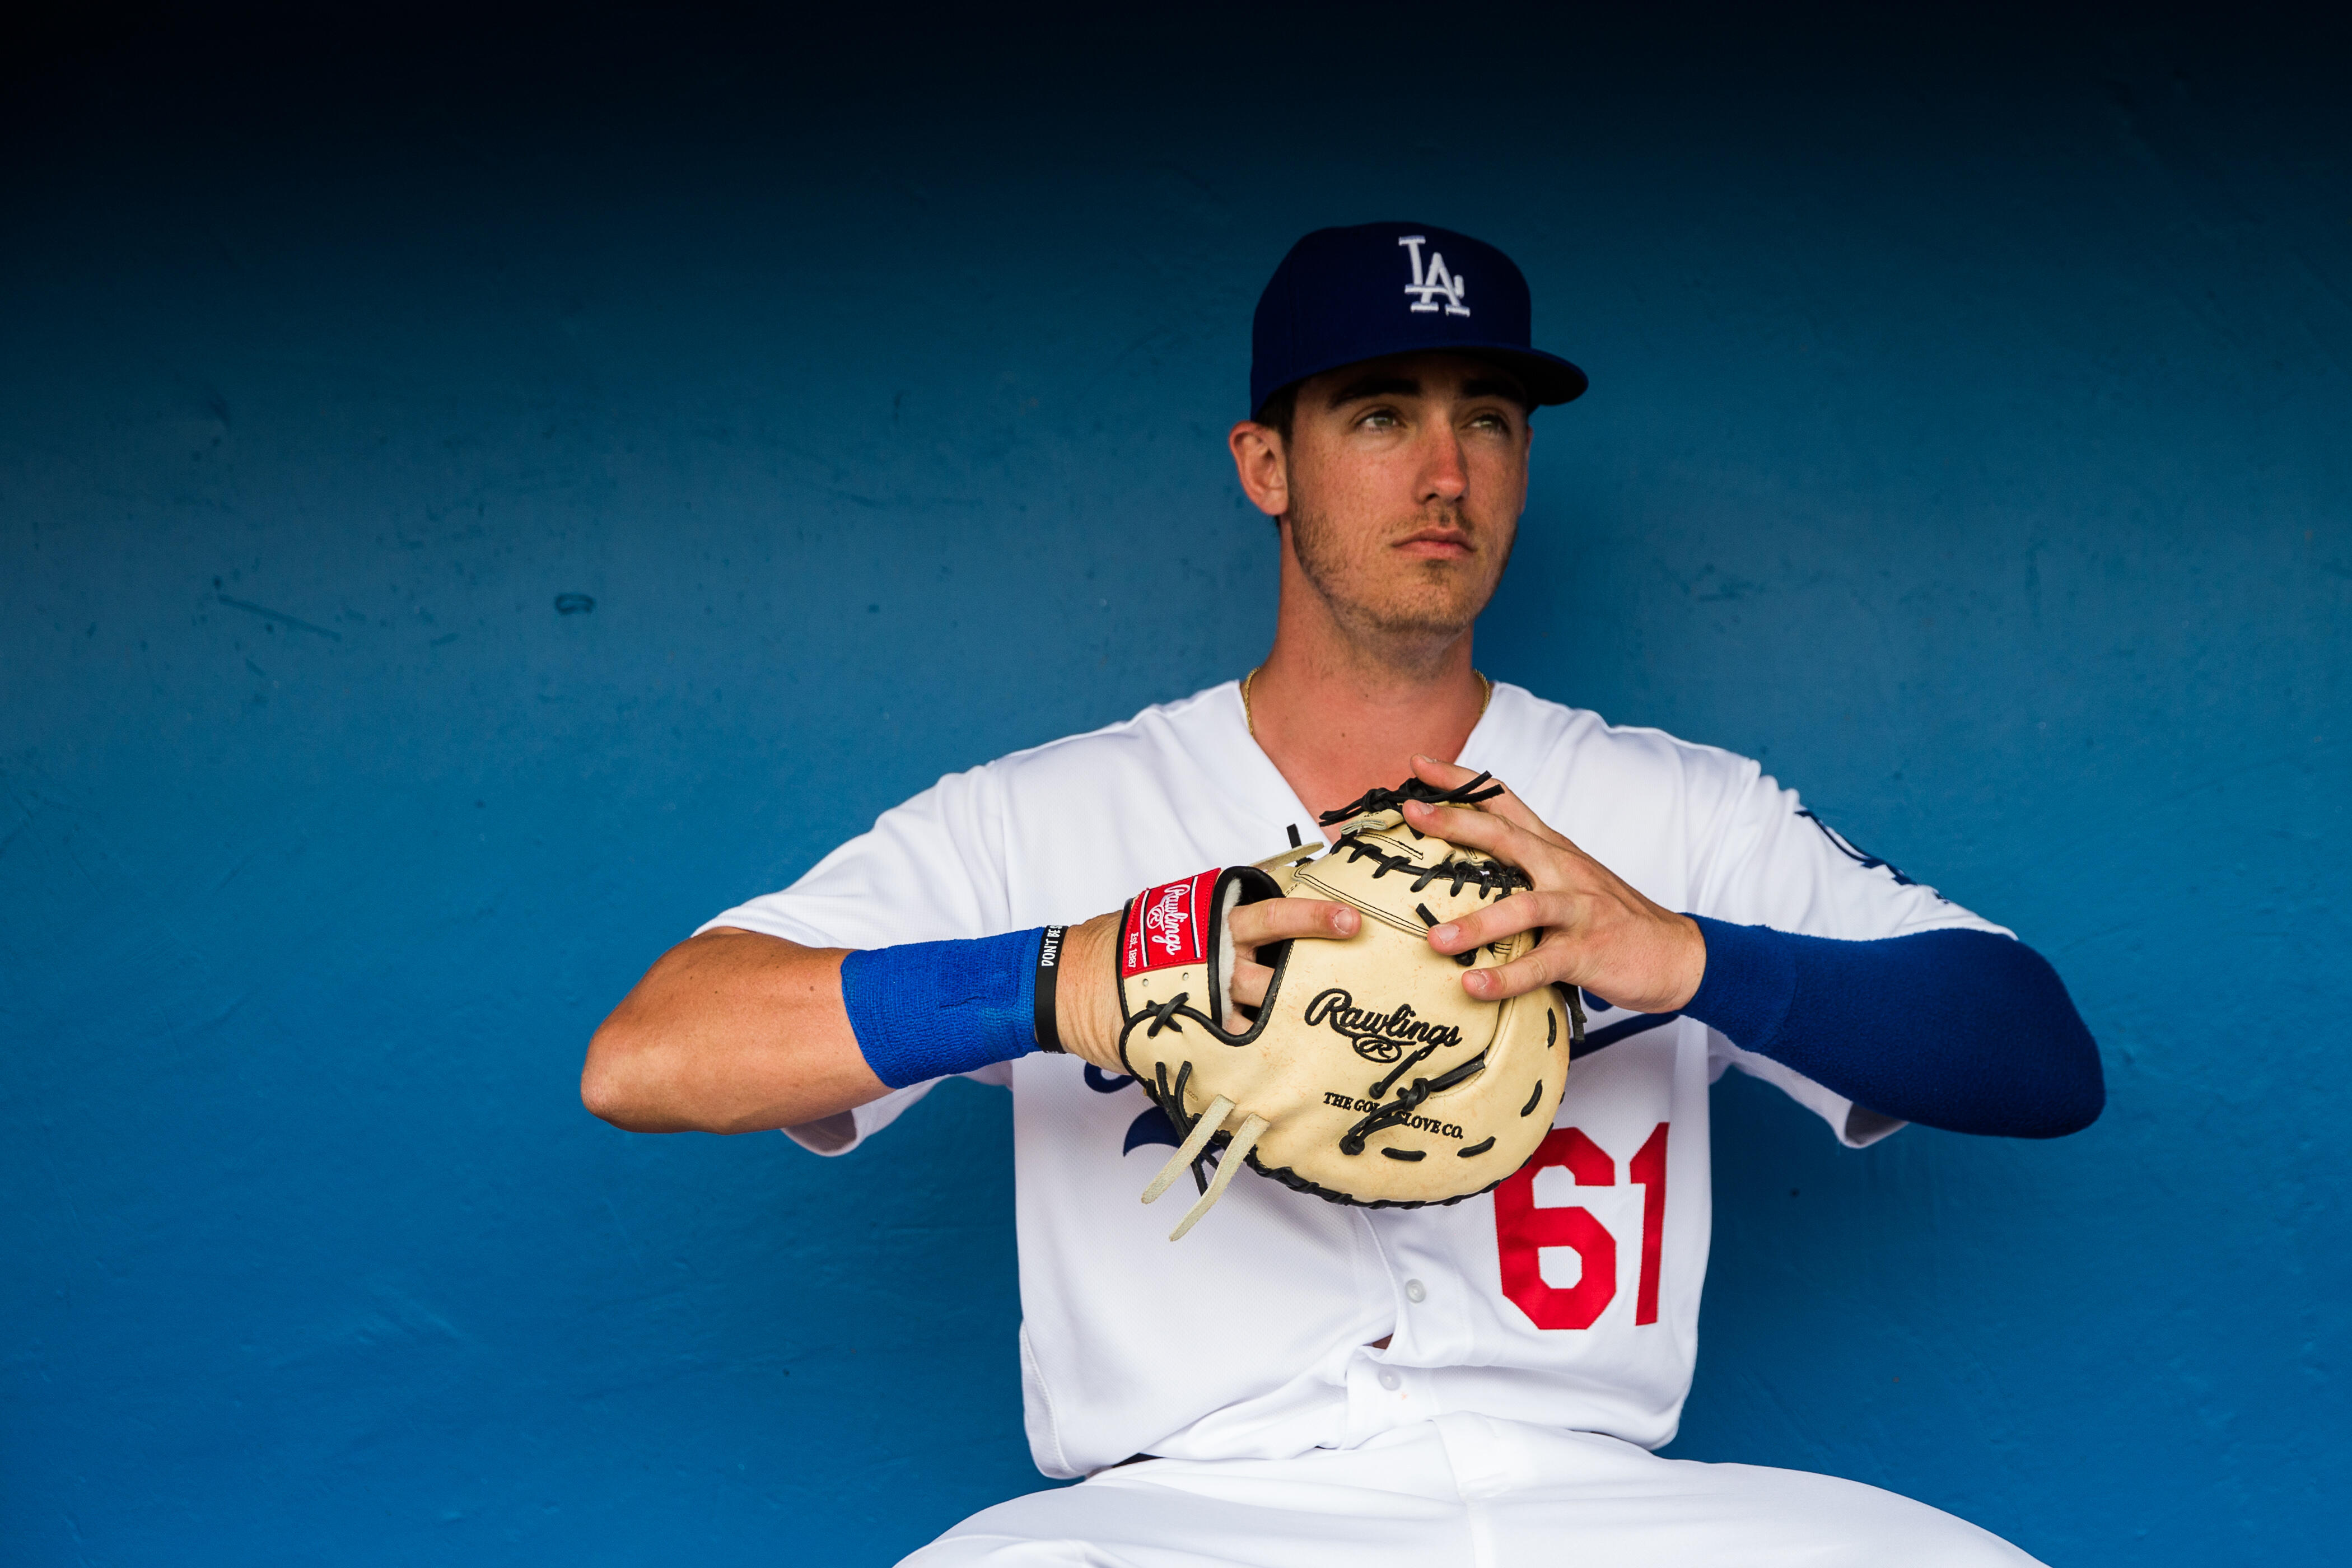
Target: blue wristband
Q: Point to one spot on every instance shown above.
(930, 1008)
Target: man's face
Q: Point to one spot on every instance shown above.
(1406, 480)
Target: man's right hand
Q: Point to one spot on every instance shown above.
(1088, 1000)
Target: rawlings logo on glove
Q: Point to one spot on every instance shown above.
(1464, 1089)
(1379, 1036)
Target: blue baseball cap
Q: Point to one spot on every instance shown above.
(1344, 295)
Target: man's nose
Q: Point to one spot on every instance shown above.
(1443, 477)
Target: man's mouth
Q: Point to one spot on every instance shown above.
(1435, 544)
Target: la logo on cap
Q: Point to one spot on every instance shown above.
(1333, 302)
(1435, 281)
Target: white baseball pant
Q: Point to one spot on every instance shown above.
(1471, 1490)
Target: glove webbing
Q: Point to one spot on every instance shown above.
(1373, 800)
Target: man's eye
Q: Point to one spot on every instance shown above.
(1380, 419)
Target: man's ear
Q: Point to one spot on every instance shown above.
(1262, 465)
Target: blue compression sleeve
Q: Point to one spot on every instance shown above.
(1958, 1029)
(930, 1008)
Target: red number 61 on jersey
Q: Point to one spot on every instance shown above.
(1522, 1230)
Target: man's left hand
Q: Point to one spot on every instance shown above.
(1599, 934)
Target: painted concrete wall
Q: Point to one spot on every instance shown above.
(1969, 440)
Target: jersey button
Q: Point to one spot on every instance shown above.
(1391, 1381)
(1415, 1291)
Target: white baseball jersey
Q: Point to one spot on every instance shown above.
(1568, 1298)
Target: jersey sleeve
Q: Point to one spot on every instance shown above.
(928, 870)
(1769, 861)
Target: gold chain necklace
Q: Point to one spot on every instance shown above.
(1249, 720)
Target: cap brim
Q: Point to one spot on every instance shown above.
(1548, 378)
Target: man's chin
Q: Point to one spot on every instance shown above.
(1417, 623)
(1442, 602)
(1417, 602)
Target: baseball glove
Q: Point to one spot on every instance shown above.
(1368, 1075)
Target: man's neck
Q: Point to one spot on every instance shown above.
(1338, 719)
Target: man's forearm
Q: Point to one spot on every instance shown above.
(1958, 1029)
(735, 1032)
(730, 1032)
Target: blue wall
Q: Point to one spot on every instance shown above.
(1967, 440)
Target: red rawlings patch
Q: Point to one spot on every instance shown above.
(1164, 925)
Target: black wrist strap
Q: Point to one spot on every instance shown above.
(1049, 971)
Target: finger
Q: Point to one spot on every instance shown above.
(1443, 775)
(1248, 985)
(1274, 920)
(1504, 918)
(1525, 974)
(1499, 837)
(1506, 805)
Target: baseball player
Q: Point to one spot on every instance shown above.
(1302, 1381)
